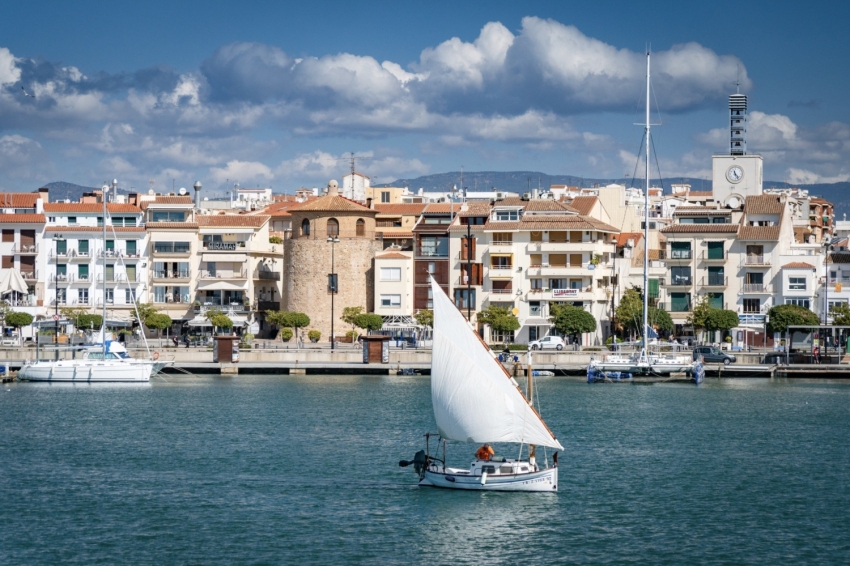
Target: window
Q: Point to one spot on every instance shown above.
(558, 284)
(680, 302)
(507, 215)
(680, 275)
(534, 308)
(503, 336)
(211, 269)
(61, 271)
(83, 272)
(130, 271)
(501, 262)
(110, 245)
(129, 296)
(836, 303)
(171, 247)
(500, 238)
(110, 272)
(799, 302)
(536, 284)
(385, 196)
(305, 227)
(391, 301)
(680, 250)
(716, 276)
(432, 267)
(390, 274)
(72, 220)
(715, 250)
(360, 227)
(131, 247)
(83, 296)
(333, 283)
(161, 216)
(83, 247)
(61, 247)
(796, 283)
(8, 235)
(752, 305)
(110, 295)
(434, 246)
(715, 300)
(333, 227)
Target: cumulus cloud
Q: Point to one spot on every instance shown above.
(242, 172)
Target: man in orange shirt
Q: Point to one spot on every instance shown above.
(485, 452)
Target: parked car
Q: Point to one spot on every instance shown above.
(713, 355)
(547, 343)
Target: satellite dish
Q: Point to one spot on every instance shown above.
(515, 311)
(182, 191)
(733, 202)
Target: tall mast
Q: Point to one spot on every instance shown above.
(646, 221)
(532, 449)
(104, 190)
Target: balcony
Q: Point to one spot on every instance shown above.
(501, 271)
(267, 275)
(677, 281)
(232, 308)
(82, 302)
(593, 246)
(680, 255)
(117, 254)
(713, 256)
(81, 279)
(756, 261)
(502, 291)
(502, 243)
(172, 275)
(463, 280)
(119, 278)
(714, 281)
(755, 288)
(173, 249)
(674, 307)
(30, 275)
(62, 278)
(31, 249)
(262, 306)
(224, 274)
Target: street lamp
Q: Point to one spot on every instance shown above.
(332, 285)
(56, 239)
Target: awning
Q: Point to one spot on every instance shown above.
(501, 255)
(537, 321)
(11, 281)
(237, 320)
(222, 286)
(231, 258)
(199, 321)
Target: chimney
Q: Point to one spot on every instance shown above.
(333, 189)
(197, 186)
(369, 202)
(44, 192)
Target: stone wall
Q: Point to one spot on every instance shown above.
(307, 265)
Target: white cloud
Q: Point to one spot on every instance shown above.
(804, 177)
(242, 172)
(9, 71)
(318, 164)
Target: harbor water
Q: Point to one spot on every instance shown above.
(304, 470)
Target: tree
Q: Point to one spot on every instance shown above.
(660, 319)
(783, 316)
(81, 319)
(17, 320)
(700, 313)
(425, 317)
(499, 320)
(721, 319)
(630, 309)
(369, 321)
(840, 314)
(572, 321)
(222, 321)
(288, 319)
(158, 322)
(144, 311)
(349, 314)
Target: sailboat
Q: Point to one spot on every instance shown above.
(108, 361)
(643, 362)
(475, 400)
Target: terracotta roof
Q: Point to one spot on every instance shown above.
(818, 200)
(475, 209)
(392, 255)
(95, 229)
(235, 220)
(758, 233)
(332, 204)
(559, 222)
(400, 209)
(839, 257)
(171, 225)
(700, 194)
(763, 204)
(583, 205)
(624, 237)
(701, 211)
(798, 265)
(23, 218)
(440, 208)
(700, 229)
(394, 233)
(18, 200)
(166, 199)
(89, 207)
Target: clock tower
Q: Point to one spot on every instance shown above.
(737, 175)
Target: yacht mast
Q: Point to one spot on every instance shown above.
(646, 221)
(104, 191)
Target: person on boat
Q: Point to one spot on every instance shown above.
(485, 453)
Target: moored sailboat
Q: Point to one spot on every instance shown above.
(476, 401)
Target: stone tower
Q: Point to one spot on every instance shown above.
(309, 256)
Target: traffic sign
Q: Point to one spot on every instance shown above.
(55, 317)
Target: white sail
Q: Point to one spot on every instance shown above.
(474, 401)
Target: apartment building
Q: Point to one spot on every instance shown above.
(22, 223)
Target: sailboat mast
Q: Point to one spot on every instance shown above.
(529, 389)
(646, 221)
(103, 192)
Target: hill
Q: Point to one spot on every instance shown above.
(61, 190)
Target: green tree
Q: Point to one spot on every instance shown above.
(721, 319)
(158, 322)
(783, 316)
(572, 321)
(699, 315)
(840, 314)
(349, 314)
(82, 319)
(141, 313)
(222, 321)
(630, 309)
(660, 319)
(18, 320)
(425, 317)
(369, 321)
(499, 320)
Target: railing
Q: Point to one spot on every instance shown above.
(502, 243)
(20, 302)
(463, 280)
(501, 267)
(82, 302)
(507, 291)
(679, 282)
(680, 254)
(756, 260)
(677, 307)
(171, 275)
(118, 253)
(83, 278)
(29, 275)
(119, 278)
(427, 252)
(844, 280)
(224, 274)
(754, 288)
(61, 278)
(269, 275)
(61, 301)
(713, 255)
(171, 247)
(169, 298)
(226, 308)
(266, 305)
(30, 249)
(714, 281)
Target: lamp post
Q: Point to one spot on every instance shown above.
(332, 285)
(56, 239)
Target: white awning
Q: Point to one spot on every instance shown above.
(238, 320)
(229, 258)
(11, 281)
(199, 321)
(222, 286)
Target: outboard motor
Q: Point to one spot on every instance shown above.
(420, 462)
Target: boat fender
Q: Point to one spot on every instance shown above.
(483, 478)
(450, 478)
(155, 356)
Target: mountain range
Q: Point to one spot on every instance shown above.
(522, 181)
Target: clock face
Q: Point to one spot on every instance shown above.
(735, 174)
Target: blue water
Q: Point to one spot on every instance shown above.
(303, 469)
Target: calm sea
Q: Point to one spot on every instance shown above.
(303, 470)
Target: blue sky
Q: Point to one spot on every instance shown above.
(275, 93)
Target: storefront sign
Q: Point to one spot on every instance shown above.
(222, 246)
(564, 293)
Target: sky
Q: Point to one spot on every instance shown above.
(261, 93)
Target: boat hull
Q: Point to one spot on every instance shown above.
(79, 371)
(540, 481)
